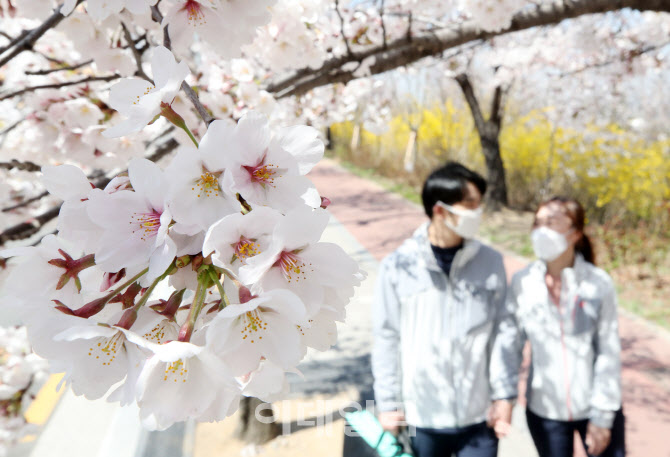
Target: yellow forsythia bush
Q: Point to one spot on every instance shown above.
(615, 173)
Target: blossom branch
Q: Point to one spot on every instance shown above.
(25, 202)
(12, 40)
(136, 53)
(25, 42)
(381, 16)
(53, 70)
(199, 107)
(86, 80)
(158, 17)
(409, 49)
(629, 55)
(10, 128)
(156, 156)
(23, 166)
(26, 229)
(344, 37)
(188, 90)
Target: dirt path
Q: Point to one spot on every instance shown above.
(380, 221)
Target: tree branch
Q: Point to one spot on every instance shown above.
(158, 17)
(11, 127)
(190, 93)
(160, 152)
(381, 16)
(202, 111)
(58, 85)
(471, 99)
(632, 54)
(407, 50)
(26, 229)
(136, 53)
(25, 166)
(496, 106)
(53, 70)
(25, 202)
(12, 40)
(26, 42)
(344, 37)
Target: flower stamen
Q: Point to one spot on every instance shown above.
(106, 349)
(245, 248)
(208, 185)
(193, 9)
(148, 224)
(292, 266)
(176, 370)
(255, 323)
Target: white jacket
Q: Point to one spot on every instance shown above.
(575, 366)
(433, 333)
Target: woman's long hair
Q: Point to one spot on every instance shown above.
(575, 211)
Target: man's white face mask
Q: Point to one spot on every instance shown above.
(548, 244)
(468, 220)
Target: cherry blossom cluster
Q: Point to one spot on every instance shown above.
(20, 371)
(202, 282)
(205, 279)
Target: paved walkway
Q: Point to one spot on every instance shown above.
(380, 221)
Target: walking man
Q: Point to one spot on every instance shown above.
(436, 301)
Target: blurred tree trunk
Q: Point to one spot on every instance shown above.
(489, 134)
(329, 139)
(249, 428)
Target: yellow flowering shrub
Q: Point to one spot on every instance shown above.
(614, 173)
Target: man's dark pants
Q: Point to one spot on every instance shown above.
(476, 440)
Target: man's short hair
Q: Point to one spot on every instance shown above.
(448, 184)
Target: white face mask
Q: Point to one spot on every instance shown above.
(468, 220)
(548, 244)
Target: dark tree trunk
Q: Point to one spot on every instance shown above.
(329, 139)
(496, 194)
(250, 429)
(489, 133)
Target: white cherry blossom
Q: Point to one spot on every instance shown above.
(134, 223)
(197, 197)
(263, 327)
(237, 237)
(297, 261)
(139, 100)
(191, 373)
(269, 170)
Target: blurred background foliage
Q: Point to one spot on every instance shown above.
(621, 178)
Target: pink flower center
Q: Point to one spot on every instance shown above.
(263, 174)
(194, 12)
(292, 266)
(246, 248)
(146, 224)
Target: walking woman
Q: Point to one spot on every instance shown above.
(566, 307)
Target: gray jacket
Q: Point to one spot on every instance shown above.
(575, 367)
(433, 333)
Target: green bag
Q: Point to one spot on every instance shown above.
(370, 439)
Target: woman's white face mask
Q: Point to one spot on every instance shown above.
(468, 220)
(548, 244)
